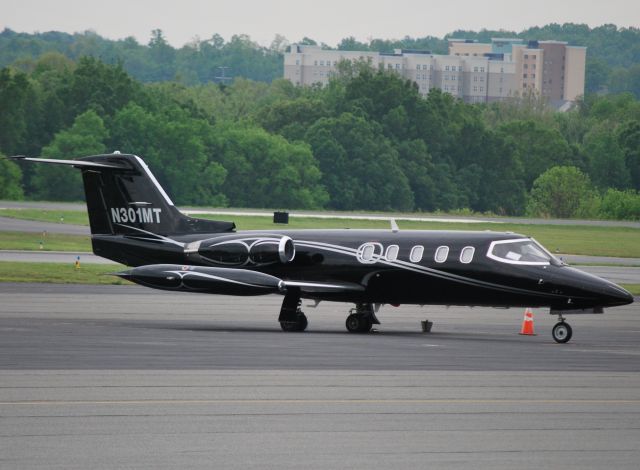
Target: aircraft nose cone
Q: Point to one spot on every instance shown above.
(616, 295)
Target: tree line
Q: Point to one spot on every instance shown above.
(367, 141)
(613, 54)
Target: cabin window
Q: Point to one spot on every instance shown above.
(466, 255)
(524, 251)
(416, 254)
(369, 253)
(392, 252)
(442, 253)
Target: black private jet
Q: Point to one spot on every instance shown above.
(134, 222)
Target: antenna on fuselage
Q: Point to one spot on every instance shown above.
(394, 225)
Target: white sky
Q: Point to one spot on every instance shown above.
(326, 21)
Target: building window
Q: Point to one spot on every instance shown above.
(533, 56)
(475, 88)
(446, 88)
(446, 77)
(390, 67)
(397, 66)
(525, 66)
(526, 56)
(524, 75)
(501, 69)
(442, 253)
(482, 78)
(475, 69)
(533, 66)
(416, 254)
(315, 62)
(460, 68)
(481, 88)
(446, 68)
(297, 61)
(533, 75)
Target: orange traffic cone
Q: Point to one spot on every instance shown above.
(527, 323)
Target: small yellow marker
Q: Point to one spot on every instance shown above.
(77, 263)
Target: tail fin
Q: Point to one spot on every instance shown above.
(123, 197)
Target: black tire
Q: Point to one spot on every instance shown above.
(562, 332)
(300, 324)
(358, 323)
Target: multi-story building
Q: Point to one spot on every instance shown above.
(475, 72)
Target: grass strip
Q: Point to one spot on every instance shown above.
(575, 239)
(60, 273)
(39, 242)
(633, 288)
(48, 215)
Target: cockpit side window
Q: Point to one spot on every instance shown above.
(523, 251)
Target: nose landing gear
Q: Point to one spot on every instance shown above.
(561, 331)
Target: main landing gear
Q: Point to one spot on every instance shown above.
(561, 331)
(361, 319)
(292, 318)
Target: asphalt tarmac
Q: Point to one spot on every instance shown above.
(127, 377)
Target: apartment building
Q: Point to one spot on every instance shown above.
(472, 71)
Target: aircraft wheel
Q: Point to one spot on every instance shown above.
(299, 325)
(358, 323)
(562, 332)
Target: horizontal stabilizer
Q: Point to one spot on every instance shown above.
(76, 163)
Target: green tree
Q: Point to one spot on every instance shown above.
(14, 92)
(605, 158)
(178, 149)
(96, 85)
(360, 168)
(291, 118)
(267, 171)
(629, 141)
(561, 191)
(58, 182)
(538, 147)
(620, 205)
(10, 180)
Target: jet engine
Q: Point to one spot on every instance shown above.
(255, 251)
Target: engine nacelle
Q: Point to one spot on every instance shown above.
(253, 251)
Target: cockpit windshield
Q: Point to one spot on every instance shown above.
(525, 251)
